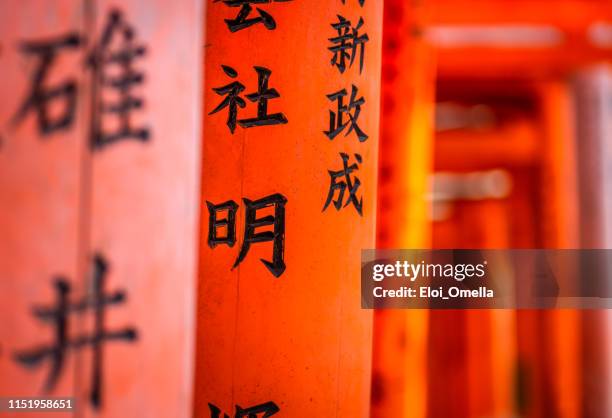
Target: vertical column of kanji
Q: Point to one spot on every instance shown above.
(289, 194)
(400, 337)
(144, 61)
(41, 126)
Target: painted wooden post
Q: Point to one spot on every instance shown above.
(99, 203)
(400, 337)
(592, 92)
(144, 208)
(289, 200)
(561, 230)
(40, 193)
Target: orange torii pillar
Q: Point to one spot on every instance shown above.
(592, 88)
(40, 197)
(399, 383)
(289, 181)
(563, 328)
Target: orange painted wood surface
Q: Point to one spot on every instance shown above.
(560, 226)
(145, 213)
(129, 202)
(590, 90)
(299, 342)
(400, 348)
(41, 189)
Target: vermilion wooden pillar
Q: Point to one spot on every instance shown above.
(86, 198)
(284, 330)
(144, 210)
(40, 194)
(592, 89)
(400, 352)
(561, 230)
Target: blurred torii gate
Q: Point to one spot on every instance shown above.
(539, 43)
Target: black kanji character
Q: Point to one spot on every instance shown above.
(341, 181)
(347, 44)
(229, 223)
(215, 412)
(59, 316)
(41, 96)
(277, 235)
(242, 21)
(353, 110)
(112, 62)
(232, 100)
(261, 97)
(267, 409)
